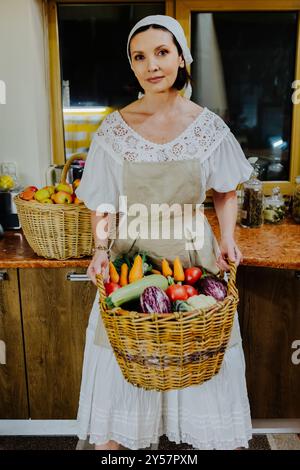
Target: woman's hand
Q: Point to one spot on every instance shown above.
(229, 251)
(99, 264)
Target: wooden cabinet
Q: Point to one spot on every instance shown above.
(13, 392)
(55, 312)
(269, 314)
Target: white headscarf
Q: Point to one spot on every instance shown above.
(175, 28)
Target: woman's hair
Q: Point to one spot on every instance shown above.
(183, 76)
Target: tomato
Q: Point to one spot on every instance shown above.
(190, 290)
(177, 292)
(192, 275)
(111, 287)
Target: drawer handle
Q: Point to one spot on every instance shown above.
(3, 276)
(75, 277)
(2, 352)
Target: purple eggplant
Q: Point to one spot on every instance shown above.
(213, 286)
(154, 299)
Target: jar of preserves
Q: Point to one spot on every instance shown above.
(251, 214)
(296, 202)
(274, 207)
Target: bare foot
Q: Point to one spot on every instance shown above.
(110, 445)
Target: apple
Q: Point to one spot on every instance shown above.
(47, 201)
(76, 183)
(61, 197)
(31, 188)
(50, 189)
(67, 188)
(27, 195)
(77, 201)
(41, 194)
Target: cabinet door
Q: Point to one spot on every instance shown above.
(55, 316)
(13, 393)
(269, 315)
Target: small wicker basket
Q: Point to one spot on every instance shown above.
(57, 231)
(170, 351)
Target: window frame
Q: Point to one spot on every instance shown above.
(183, 10)
(55, 99)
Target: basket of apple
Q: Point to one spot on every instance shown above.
(56, 224)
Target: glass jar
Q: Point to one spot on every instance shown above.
(274, 207)
(251, 214)
(296, 202)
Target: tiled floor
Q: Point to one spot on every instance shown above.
(259, 442)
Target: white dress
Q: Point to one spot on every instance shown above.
(216, 414)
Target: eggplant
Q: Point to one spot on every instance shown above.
(213, 286)
(154, 299)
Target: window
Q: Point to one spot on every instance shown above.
(91, 74)
(245, 64)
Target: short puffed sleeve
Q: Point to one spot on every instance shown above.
(227, 166)
(101, 182)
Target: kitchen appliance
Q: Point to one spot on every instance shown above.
(8, 211)
(9, 188)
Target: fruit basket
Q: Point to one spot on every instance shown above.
(170, 351)
(56, 231)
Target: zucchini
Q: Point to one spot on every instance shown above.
(134, 290)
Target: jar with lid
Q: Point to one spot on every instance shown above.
(274, 207)
(296, 202)
(251, 214)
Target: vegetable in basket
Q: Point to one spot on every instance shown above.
(197, 301)
(211, 285)
(154, 299)
(192, 275)
(134, 290)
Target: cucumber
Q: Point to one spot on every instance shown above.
(134, 290)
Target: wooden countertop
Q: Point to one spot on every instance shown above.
(275, 246)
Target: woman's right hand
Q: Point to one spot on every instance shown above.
(99, 264)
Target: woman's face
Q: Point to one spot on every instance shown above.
(154, 54)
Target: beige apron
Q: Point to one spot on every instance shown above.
(175, 182)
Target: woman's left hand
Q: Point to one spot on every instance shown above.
(229, 251)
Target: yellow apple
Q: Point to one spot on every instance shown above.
(61, 197)
(47, 201)
(50, 189)
(67, 188)
(41, 194)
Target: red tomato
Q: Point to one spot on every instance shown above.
(190, 290)
(192, 275)
(176, 292)
(111, 287)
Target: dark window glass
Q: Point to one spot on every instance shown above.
(244, 66)
(96, 74)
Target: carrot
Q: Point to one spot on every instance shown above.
(136, 272)
(178, 270)
(124, 275)
(155, 271)
(166, 270)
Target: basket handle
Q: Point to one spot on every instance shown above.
(232, 289)
(76, 156)
(102, 291)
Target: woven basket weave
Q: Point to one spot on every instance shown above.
(57, 231)
(170, 351)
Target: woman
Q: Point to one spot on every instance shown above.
(162, 149)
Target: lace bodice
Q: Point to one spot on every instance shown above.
(198, 139)
(208, 138)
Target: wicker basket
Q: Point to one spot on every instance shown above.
(170, 351)
(57, 231)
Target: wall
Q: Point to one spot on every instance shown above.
(24, 119)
